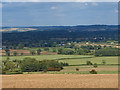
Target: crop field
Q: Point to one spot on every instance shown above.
(60, 81)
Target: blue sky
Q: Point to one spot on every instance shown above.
(59, 13)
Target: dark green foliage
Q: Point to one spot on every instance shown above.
(7, 52)
(15, 53)
(64, 64)
(88, 62)
(38, 51)
(107, 52)
(29, 64)
(103, 62)
(20, 46)
(11, 67)
(32, 65)
(46, 49)
(95, 65)
(32, 52)
(52, 36)
(66, 51)
(54, 50)
(80, 51)
(22, 54)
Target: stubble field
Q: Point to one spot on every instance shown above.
(60, 81)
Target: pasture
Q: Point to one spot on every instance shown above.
(71, 59)
(77, 61)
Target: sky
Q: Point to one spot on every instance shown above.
(60, 0)
(58, 13)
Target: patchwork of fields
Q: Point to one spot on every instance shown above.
(77, 61)
(106, 77)
(71, 59)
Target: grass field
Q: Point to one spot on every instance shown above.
(77, 61)
(71, 59)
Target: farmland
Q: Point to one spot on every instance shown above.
(68, 77)
(77, 61)
(71, 59)
(60, 81)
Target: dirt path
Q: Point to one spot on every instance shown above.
(60, 81)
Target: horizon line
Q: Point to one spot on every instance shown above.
(65, 25)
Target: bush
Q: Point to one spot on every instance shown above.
(29, 64)
(64, 64)
(95, 65)
(15, 53)
(77, 69)
(88, 62)
(93, 71)
(103, 62)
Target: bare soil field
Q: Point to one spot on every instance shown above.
(60, 81)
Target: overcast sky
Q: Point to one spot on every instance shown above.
(59, 13)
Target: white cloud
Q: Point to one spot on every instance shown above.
(86, 4)
(60, 0)
(116, 11)
(53, 8)
(95, 4)
(1, 5)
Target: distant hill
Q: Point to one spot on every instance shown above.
(47, 36)
(67, 28)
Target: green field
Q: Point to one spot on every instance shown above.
(113, 69)
(71, 59)
(77, 61)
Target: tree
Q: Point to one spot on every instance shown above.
(32, 52)
(7, 52)
(103, 62)
(60, 51)
(38, 51)
(80, 51)
(29, 64)
(15, 53)
(20, 46)
(22, 54)
(54, 50)
(107, 52)
(88, 62)
(95, 65)
(46, 49)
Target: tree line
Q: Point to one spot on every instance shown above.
(30, 65)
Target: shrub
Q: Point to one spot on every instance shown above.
(77, 69)
(22, 54)
(95, 65)
(93, 71)
(103, 62)
(15, 53)
(64, 64)
(88, 62)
